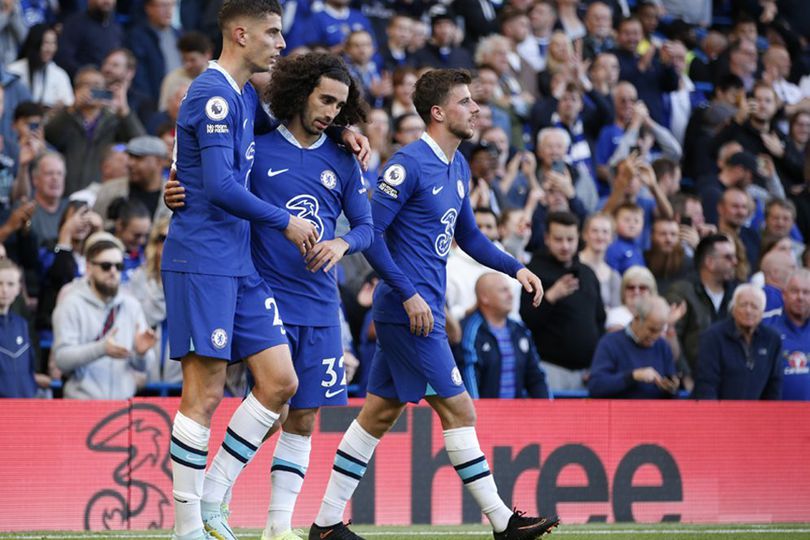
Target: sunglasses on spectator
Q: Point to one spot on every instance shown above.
(107, 266)
(639, 288)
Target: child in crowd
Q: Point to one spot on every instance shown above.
(17, 358)
(625, 251)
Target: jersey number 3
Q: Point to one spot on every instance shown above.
(445, 239)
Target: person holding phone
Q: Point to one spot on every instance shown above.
(83, 132)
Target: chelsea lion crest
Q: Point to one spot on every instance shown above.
(328, 179)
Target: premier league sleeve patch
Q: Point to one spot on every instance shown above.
(394, 175)
(216, 108)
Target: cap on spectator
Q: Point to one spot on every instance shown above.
(747, 161)
(147, 145)
(439, 12)
(102, 236)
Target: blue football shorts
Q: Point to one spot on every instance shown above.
(317, 353)
(407, 367)
(223, 317)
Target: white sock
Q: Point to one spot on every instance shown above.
(246, 430)
(471, 465)
(353, 454)
(290, 462)
(189, 453)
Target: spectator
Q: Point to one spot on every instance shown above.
(556, 158)
(65, 259)
(651, 74)
(48, 178)
(378, 131)
(332, 25)
(88, 36)
(687, 210)
(514, 230)
(741, 61)
(776, 70)
(793, 328)
(705, 122)
(780, 220)
(147, 156)
(667, 258)
(632, 175)
(403, 81)
(668, 174)
(740, 358)
(777, 266)
(441, 51)
(479, 18)
(483, 90)
(633, 127)
(679, 104)
(360, 53)
(499, 358)
(165, 121)
(101, 340)
(394, 51)
(625, 250)
(146, 285)
(48, 83)
(542, 18)
(119, 68)
(132, 224)
(568, 19)
(637, 362)
(18, 377)
(572, 300)
(753, 128)
(154, 44)
(597, 234)
(798, 137)
(706, 293)
(599, 38)
(514, 92)
(82, 132)
(12, 93)
(514, 23)
(13, 30)
(733, 211)
(484, 192)
(196, 50)
(604, 76)
(407, 128)
(637, 283)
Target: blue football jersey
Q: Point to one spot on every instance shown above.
(203, 237)
(333, 27)
(427, 194)
(317, 184)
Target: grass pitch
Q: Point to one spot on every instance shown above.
(659, 531)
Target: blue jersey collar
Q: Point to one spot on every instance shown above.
(293, 141)
(436, 149)
(216, 67)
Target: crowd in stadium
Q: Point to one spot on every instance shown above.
(647, 159)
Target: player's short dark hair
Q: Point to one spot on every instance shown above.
(706, 247)
(295, 78)
(232, 9)
(433, 87)
(566, 219)
(27, 109)
(195, 42)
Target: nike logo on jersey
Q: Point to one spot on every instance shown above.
(437, 189)
(271, 173)
(333, 393)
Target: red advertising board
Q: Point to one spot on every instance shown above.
(105, 464)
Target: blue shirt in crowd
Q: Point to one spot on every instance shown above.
(795, 353)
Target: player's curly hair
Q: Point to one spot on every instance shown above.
(295, 78)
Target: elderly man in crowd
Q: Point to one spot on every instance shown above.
(740, 358)
(636, 362)
(794, 330)
(499, 356)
